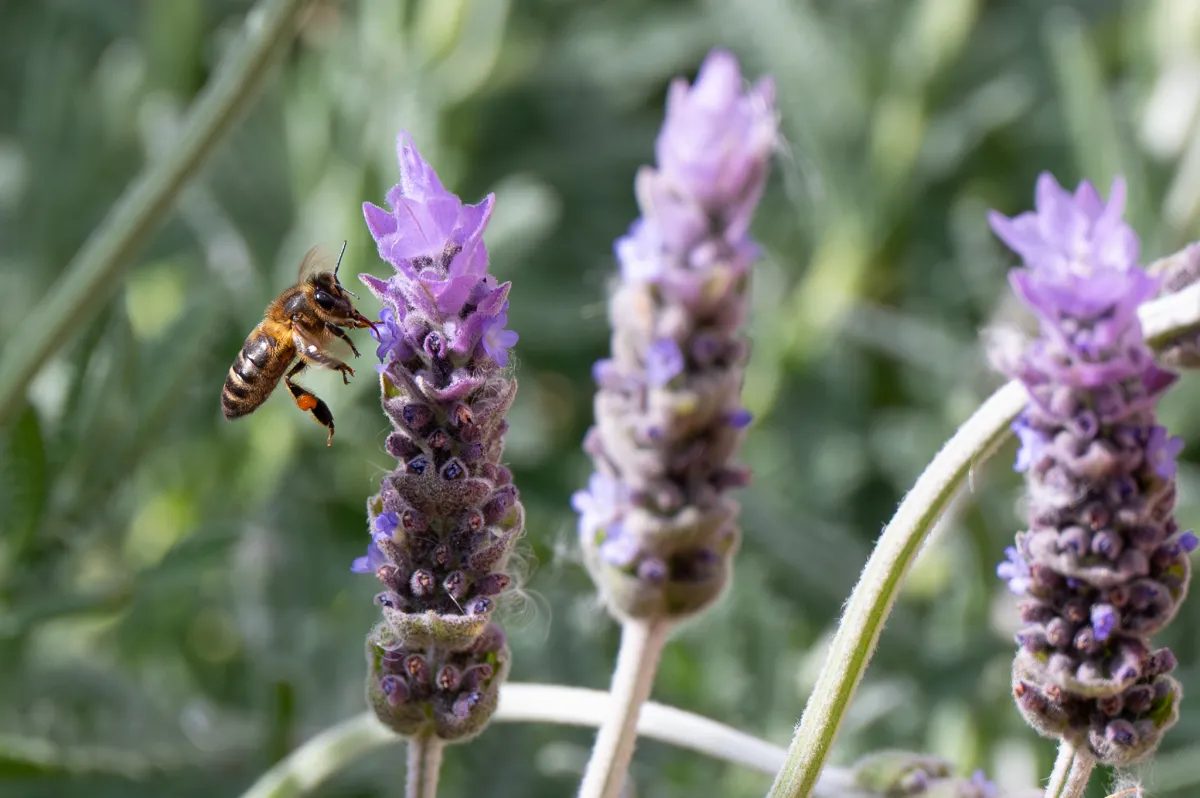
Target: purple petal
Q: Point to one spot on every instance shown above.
(1015, 571)
(370, 563)
(497, 340)
(379, 222)
(376, 286)
(1032, 444)
(739, 419)
(1104, 620)
(1162, 451)
(618, 547)
(664, 362)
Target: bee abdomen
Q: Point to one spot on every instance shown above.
(251, 378)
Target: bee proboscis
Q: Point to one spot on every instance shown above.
(298, 327)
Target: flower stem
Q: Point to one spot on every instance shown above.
(1062, 769)
(637, 662)
(338, 746)
(873, 596)
(1072, 772)
(319, 758)
(93, 275)
(424, 766)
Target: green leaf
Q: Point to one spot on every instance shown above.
(23, 479)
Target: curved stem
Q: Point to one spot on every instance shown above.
(637, 662)
(577, 706)
(424, 766)
(95, 271)
(322, 756)
(873, 596)
(338, 746)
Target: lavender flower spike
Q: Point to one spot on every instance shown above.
(445, 520)
(1102, 565)
(656, 524)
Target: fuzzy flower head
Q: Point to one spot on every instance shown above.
(657, 524)
(445, 520)
(441, 285)
(1069, 233)
(1102, 565)
(717, 138)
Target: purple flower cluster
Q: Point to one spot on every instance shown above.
(656, 524)
(445, 520)
(1102, 565)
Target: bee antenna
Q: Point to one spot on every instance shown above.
(339, 266)
(339, 262)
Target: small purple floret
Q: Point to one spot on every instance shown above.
(601, 504)
(1104, 620)
(664, 362)
(1162, 451)
(1032, 444)
(1015, 571)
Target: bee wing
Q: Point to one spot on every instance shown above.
(317, 259)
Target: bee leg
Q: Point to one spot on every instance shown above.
(307, 401)
(340, 333)
(332, 363)
(311, 352)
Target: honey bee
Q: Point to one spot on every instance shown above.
(299, 323)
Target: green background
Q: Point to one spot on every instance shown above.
(176, 609)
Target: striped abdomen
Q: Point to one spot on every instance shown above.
(255, 373)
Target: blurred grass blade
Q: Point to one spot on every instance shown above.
(23, 482)
(94, 273)
(22, 757)
(1101, 149)
(173, 367)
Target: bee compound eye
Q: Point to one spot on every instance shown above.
(323, 299)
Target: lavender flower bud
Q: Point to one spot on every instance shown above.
(446, 518)
(1101, 566)
(656, 524)
(435, 691)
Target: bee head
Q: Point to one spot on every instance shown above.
(333, 301)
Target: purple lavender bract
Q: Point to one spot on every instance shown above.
(656, 524)
(1102, 565)
(445, 520)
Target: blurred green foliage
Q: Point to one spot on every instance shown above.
(176, 609)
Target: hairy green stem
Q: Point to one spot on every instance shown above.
(424, 766)
(876, 591)
(94, 274)
(339, 746)
(637, 662)
(1062, 770)
(1072, 772)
